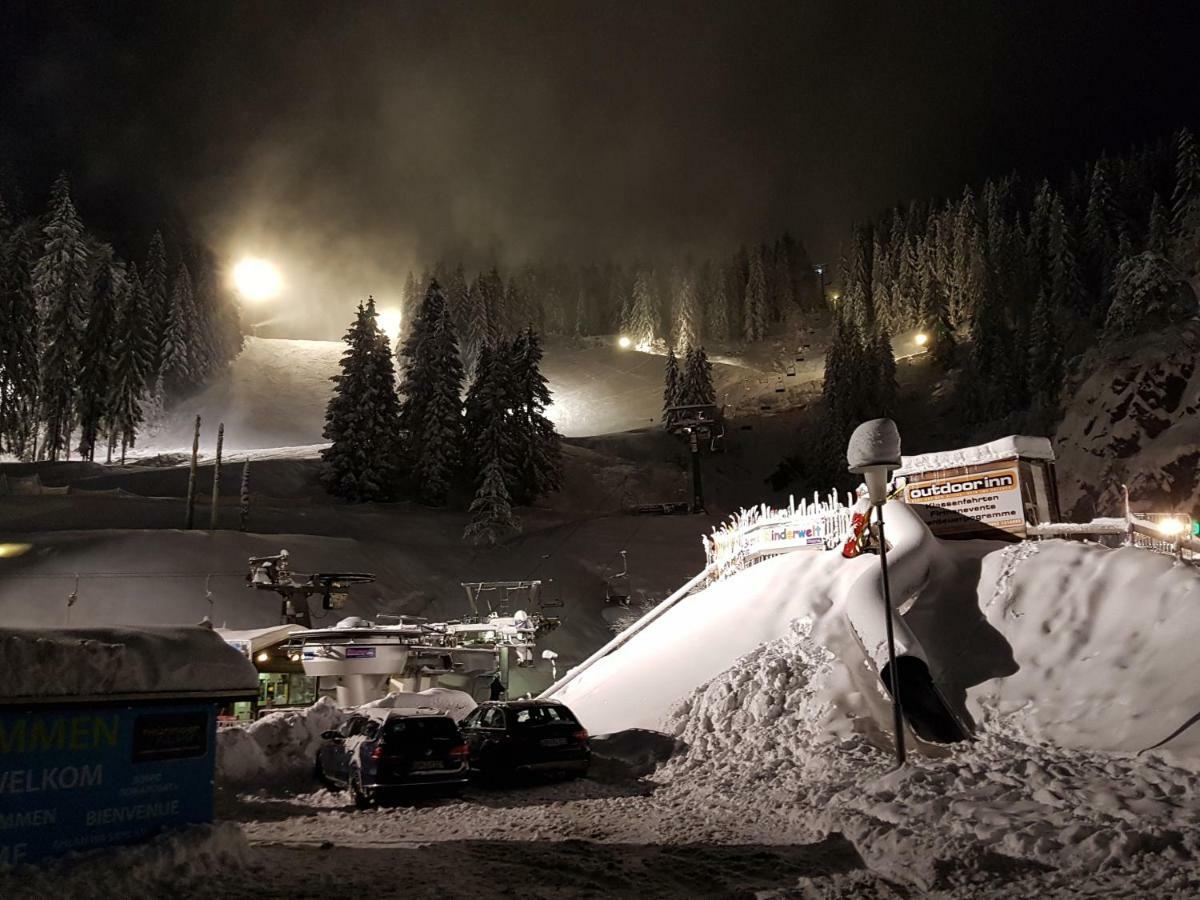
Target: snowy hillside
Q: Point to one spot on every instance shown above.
(1134, 420)
(275, 394)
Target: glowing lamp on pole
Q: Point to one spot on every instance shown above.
(624, 342)
(874, 453)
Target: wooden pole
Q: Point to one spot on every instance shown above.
(244, 512)
(216, 492)
(190, 520)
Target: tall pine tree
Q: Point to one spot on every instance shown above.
(431, 412)
(61, 285)
(97, 360)
(362, 418)
(538, 446)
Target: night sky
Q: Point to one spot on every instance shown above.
(348, 139)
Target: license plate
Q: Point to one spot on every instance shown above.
(554, 742)
(426, 764)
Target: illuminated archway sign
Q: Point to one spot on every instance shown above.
(256, 279)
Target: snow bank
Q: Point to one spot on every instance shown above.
(638, 685)
(165, 866)
(759, 730)
(77, 662)
(1062, 641)
(281, 747)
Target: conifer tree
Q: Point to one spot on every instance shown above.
(671, 382)
(1185, 205)
(123, 414)
(538, 450)
(457, 292)
(431, 412)
(61, 285)
(1158, 229)
(643, 311)
(476, 334)
(492, 518)
(1187, 183)
(687, 311)
(883, 398)
(158, 299)
(1045, 354)
(754, 322)
(175, 352)
(361, 420)
(97, 359)
(714, 309)
(696, 383)
(19, 376)
(489, 424)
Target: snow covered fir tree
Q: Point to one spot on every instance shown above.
(89, 339)
(363, 416)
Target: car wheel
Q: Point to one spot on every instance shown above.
(360, 797)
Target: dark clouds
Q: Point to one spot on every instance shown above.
(349, 139)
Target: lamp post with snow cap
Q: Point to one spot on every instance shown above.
(874, 453)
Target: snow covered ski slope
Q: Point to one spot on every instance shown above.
(1066, 642)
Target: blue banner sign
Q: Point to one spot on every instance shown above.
(80, 777)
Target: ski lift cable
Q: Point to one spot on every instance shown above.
(575, 528)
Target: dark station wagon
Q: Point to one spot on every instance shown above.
(526, 736)
(383, 753)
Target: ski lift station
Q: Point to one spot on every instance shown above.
(358, 660)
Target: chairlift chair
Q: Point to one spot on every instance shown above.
(616, 587)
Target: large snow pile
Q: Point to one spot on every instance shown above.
(1065, 641)
(167, 866)
(1133, 420)
(281, 747)
(72, 662)
(759, 731)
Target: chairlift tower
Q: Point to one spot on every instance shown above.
(696, 423)
(273, 573)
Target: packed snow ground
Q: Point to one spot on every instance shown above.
(1068, 658)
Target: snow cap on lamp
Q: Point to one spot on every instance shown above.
(874, 452)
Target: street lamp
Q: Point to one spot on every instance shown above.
(874, 453)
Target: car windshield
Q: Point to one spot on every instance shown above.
(544, 715)
(405, 729)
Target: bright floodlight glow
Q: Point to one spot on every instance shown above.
(389, 321)
(256, 279)
(1171, 526)
(624, 342)
(921, 339)
(7, 551)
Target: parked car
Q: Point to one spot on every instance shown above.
(526, 736)
(379, 753)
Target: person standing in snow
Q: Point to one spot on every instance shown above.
(497, 688)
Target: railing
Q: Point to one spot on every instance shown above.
(1160, 532)
(760, 532)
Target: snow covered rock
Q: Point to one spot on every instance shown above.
(1133, 420)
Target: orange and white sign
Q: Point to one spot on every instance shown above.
(958, 503)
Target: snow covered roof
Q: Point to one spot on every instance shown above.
(1005, 448)
(259, 638)
(77, 663)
